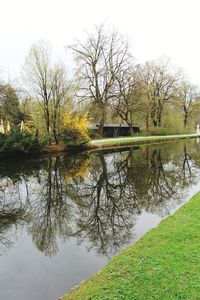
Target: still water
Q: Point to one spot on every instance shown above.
(63, 217)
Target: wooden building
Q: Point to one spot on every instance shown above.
(114, 130)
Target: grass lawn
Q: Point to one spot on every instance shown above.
(164, 264)
(138, 139)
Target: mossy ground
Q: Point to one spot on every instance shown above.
(164, 264)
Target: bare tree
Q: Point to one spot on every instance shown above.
(37, 72)
(129, 93)
(101, 58)
(161, 83)
(60, 88)
(47, 82)
(188, 99)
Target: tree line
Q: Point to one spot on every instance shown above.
(107, 83)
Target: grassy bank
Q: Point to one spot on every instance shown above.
(164, 264)
(124, 141)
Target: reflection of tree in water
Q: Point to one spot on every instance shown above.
(42, 190)
(50, 211)
(95, 198)
(14, 197)
(122, 185)
(158, 178)
(12, 213)
(8, 218)
(105, 207)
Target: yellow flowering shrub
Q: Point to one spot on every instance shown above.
(75, 129)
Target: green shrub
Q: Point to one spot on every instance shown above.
(166, 131)
(19, 142)
(44, 140)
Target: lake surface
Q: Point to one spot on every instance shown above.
(63, 217)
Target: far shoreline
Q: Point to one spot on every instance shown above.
(101, 144)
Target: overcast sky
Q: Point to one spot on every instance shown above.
(154, 27)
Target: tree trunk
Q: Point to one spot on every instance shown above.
(185, 115)
(55, 125)
(155, 123)
(159, 119)
(103, 120)
(159, 114)
(131, 124)
(55, 136)
(131, 129)
(153, 118)
(147, 122)
(185, 121)
(47, 121)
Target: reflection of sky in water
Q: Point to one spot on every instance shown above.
(61, 217)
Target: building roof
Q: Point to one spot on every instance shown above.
(110, 125)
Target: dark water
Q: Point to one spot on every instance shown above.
(63, 217)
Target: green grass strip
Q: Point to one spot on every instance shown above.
(127, 140)
(163, 264)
